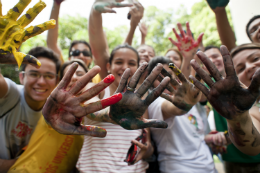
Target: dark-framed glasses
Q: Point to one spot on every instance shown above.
(38, 75)
(78, 52)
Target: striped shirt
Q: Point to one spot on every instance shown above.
(108, 154)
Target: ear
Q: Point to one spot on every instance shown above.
(21, 77)
(108, 67)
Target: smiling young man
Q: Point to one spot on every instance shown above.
(21, 105)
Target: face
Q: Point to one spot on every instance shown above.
(81, 47)
(76, 76)
(174, 57)
(124, 58)
(38, 89)
(254, 31)
(157, 83)
(215, 56)
(146, 53)
(246, 63)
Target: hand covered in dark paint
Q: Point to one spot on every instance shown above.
(183, 95)
(65, 108)
(129, 111)
(186, 43)
(227, 95)
(216, 4)
(106, 6)
(13, 33)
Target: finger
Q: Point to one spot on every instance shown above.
(18, 9)
(167, 97)
(228, 63)
(204, 75)
(136, 77)
(38, 29)
(210, 66)
(169, 87)
(173, 82)
(176, 34)
(183, 35)
(254, 87)
(199, 40)
(84, 80)
(139, 144)
(29, 59)
(189, 33)
(95, 90)
(153, 123)
(149, 81)
(200, 86)
(157, 91)
(108, 10)
(120, 5)
(178, 73)
(31, 14)
(67, 77)
(123, 81)
(175, 43)
(96, 106)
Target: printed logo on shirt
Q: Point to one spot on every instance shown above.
(193, 120)
(22, 130)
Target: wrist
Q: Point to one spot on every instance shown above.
(219, 11)
(238, 117)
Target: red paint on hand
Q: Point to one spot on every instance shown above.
(111, 100)
(79, 119)
(109, 79)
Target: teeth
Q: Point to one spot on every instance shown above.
(39, 90)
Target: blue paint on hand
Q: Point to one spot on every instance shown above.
(217, 3)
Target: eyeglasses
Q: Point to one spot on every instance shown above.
(38, 75)
(78, 52)
(254, 29)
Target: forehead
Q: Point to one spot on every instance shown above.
(47, 65)
(212, 51)
(172, 53)
(125, 52)
(145, 47)
(255, 22)
(80, 46)
(80, 68)
(242, 56)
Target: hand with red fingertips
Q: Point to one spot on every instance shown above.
(64, 108)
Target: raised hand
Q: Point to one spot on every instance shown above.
(64, 108)
(128, 112)
(143, 29)
(13, 33)
(106, 6)
(216, 4)
(186, 43)
(136, 12)
(227, 95)
(183, 95)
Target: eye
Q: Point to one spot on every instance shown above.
(118, 62)
(256, 58)
(240, 70)
(33, 74)
(79, 73)
(49, 76)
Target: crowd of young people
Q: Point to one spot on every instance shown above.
(134, 111)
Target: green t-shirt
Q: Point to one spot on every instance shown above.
(233, 154)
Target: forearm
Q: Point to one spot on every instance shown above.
(3, 86)
(130, 35)
(5, 165)
(98, 42)
(186, 67)
(244, 134)
(143, 39)
(169, 110)
(225, 31)
(52, 36)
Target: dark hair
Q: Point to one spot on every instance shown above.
(159, 59)
(80, 42)
(211, 47)
(148, 46)
(125, 45)
(247, 25)
(45, 53)
(67, 63)
(242, 47)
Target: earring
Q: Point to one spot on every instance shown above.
(108, 71)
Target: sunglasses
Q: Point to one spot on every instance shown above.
(78, 52)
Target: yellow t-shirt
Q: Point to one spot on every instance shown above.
(49, 151)
(96, 79)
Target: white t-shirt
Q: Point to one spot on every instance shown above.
(181, 147)
(211, 121)
(108, 154)
(17, 121)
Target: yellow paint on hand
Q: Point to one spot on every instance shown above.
(191, 81)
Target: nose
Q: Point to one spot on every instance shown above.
(250, 68)
(74, 78)
(125, 66)
(41, 80)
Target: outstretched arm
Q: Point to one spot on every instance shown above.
(232, 100)
(52, 36)
(136, 12)
(226, 34)
(5, 165)
(97, 38)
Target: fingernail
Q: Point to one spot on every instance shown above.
(109, 79)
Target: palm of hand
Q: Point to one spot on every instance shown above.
(13, 33)
(217, 3)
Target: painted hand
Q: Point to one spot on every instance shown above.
(13, 33)
(227, 95)
(128, 112)
(215, 4)
(106, 6)
(183, 95)
(136, 12)
(64, 108)
(143, 28)
(186, 43)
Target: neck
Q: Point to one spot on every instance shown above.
(34, 105)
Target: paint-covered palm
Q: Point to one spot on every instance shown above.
(215, 4)
(129, 111)
(106, 6)
(65, 107)
(227, 95)
(13, 32)
(185, 41)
